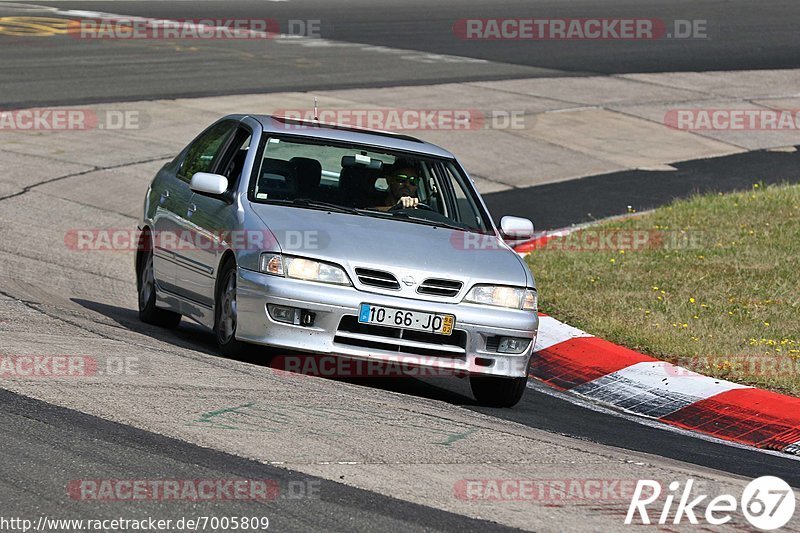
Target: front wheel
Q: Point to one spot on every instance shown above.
(225, 312)
(494, 391)
(146, 287)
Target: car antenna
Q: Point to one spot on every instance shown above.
(316, 116)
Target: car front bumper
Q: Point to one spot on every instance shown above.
(335, 330)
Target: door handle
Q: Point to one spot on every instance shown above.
(164, 196)
(190, 211)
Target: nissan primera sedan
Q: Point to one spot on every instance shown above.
(327, 239)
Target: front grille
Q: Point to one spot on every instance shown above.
(392, 339)
(377, 278)
(440, 287)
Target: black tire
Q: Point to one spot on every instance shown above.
(146, 291)
(493, 391)
(224, 330)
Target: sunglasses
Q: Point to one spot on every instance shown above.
(413, 180)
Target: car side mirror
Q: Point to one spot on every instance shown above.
(207, 184)
(516, 228)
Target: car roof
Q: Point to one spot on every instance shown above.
(347, 133)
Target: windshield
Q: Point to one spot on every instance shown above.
(366, 181)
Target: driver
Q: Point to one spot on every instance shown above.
(402, 193)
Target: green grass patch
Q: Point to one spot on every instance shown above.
(709, 283)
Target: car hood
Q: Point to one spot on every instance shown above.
(405, 249)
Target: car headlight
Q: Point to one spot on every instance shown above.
(498, 296)
(300, 268)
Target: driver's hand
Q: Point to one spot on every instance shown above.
(408, 202)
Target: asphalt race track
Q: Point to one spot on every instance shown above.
(44, 443)
(607, 195)
(741, 35)
(359, 454)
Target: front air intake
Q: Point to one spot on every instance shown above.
(440, 287)
(377, 278)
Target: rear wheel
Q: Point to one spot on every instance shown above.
(225, 312)
(146, 287)
(494, 391)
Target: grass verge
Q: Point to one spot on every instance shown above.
(711, 283)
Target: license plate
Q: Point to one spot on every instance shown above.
(440, 324)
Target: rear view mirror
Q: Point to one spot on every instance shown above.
(516, 228)
(363, 161)
(209, 184)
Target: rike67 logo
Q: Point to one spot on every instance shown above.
(767, 503)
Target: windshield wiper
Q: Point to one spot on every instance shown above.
(407, 216)
(315, 204)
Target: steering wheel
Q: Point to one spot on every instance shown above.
(398, 207)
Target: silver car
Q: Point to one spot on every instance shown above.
(321, 238)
